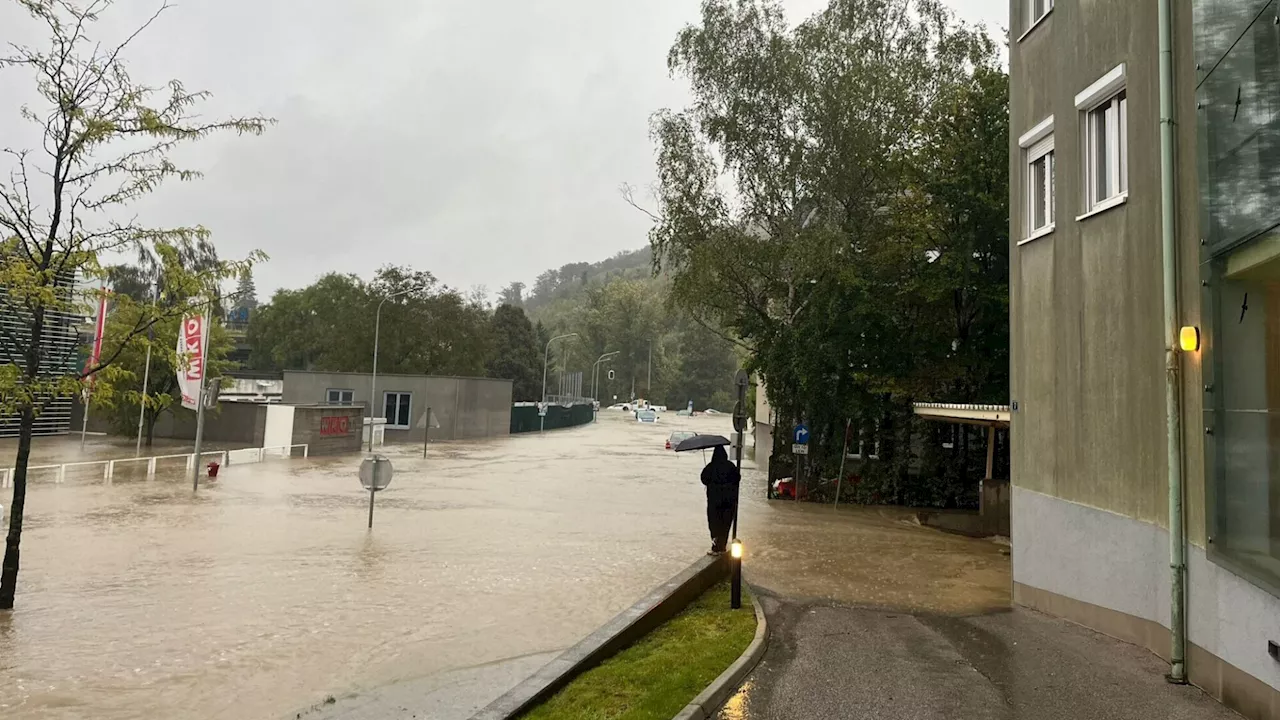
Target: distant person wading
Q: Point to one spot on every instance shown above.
(721, 478)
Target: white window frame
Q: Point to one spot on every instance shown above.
(1106, 99)
(1037, 144)
(349, 394)
(1032, 19)
(401, 395)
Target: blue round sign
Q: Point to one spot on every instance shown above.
(801, 435)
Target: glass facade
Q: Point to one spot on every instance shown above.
(1238, 113)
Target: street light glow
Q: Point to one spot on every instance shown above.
(735, 550)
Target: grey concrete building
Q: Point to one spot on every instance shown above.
(1095, 525)
(464, 407)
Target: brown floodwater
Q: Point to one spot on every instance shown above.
(264, 592)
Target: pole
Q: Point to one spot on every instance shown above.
(373, 386)
(84, 421)
(648, 387)
(204, 371)
(142, 411)
(1173, 410)
(844, 453)
(542, 416)
(427, 433)
(740, 421)
(372, 489)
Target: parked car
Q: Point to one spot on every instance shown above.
(677, 437)
(646, 416)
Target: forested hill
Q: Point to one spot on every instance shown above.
(570, 280)
(619, 306)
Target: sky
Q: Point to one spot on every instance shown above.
(482, 141)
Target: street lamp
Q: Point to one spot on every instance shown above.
(542, 411)
(373, 380)
(595, 373)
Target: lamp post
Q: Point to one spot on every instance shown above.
(595, 379)
(542, 414)
(595, 373)
(373, 380)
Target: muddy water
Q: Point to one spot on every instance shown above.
(264, 592)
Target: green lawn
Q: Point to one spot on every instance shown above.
(656, 677)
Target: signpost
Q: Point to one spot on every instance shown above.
(741, 381)
(375, 474)
(426, 422)
(799, 447)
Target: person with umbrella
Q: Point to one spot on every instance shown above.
(721, 478)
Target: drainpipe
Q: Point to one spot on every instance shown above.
(1173, 417)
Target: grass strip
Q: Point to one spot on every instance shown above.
(657, 676)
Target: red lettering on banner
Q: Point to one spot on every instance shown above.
(335, 425)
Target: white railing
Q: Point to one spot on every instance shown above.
(228, 458)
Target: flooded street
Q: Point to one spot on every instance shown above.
(264, 593)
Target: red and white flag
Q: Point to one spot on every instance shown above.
(191, 339)
(99, 330)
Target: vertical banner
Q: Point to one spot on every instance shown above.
(99, 330)
(191, 338)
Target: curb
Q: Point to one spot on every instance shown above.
(659, 606)
(710, 700)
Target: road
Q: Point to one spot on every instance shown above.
(264, 593)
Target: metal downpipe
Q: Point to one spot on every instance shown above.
(1173, 411)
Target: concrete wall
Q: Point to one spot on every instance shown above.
(321, 428)
(1088, 450)
(233, 423)
(464, 407)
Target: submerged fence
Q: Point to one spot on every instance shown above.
(110, 467)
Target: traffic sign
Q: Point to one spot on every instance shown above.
(742, 379)
(801, 435)
(799, 449)
(375, 473)
(739, 418)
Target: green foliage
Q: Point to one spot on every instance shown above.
(106, 141)
(515, 353)
(861, 250)
(424, 327)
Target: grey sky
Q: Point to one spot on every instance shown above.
(482, 141)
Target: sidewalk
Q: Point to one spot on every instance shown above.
(872, 616)
(830, 661)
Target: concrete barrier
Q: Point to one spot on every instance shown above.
(659, 606)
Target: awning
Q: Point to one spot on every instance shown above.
(985, 415)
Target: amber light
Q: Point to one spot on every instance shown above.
(1189, 338)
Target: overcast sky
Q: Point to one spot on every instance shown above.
(483, 141)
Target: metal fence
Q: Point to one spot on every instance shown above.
(228, 457)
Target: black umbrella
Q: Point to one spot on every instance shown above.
(701, 442)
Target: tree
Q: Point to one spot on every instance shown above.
(106, 141)
(246, 293)
(855, 253)
(516, 353)
(512, 294)
(329, 325)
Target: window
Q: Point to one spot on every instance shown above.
(340, 397)
(1243, 408)
(1106, 148)
(1036, 10)
(1037, 146)
(396, 406)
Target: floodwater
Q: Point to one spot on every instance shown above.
(264, 592)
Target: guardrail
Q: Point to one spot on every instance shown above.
(228, 457)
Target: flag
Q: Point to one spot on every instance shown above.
(191, 356)
(99, 330)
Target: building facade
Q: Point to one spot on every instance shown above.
(1090, 445)
(463, 408)
(64, 354)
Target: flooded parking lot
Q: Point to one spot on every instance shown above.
(264, 592)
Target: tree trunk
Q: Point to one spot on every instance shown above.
(151, 427)
(9, 571)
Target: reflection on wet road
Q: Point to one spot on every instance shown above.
(264, 593)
